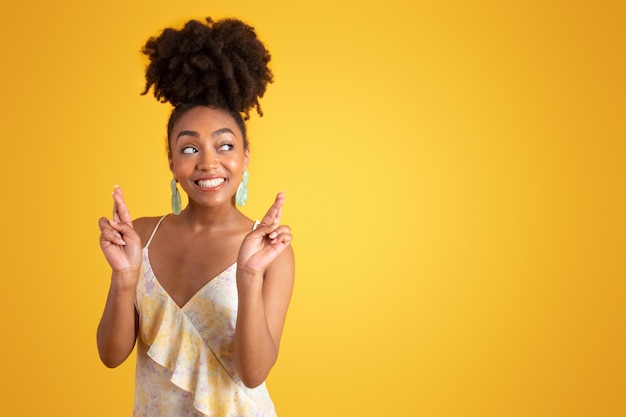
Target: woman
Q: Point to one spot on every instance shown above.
(203, 292)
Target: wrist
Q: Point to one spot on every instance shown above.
(124, 281)
(249, 281)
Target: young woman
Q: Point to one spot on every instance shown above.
(202, 292)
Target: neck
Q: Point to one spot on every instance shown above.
(212, 218)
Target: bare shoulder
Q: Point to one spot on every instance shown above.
(283, 267)
(144, 227)
(278, 284)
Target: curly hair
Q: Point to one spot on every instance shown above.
(219, 64)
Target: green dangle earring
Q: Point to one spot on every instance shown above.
(242, 191)
(177, 205)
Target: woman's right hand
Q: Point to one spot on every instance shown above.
(119, 242)
(117, 331)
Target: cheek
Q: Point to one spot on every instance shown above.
(181, 166)
(234, 165)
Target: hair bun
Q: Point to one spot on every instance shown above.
(221, 64)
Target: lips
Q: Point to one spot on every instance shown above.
(212, 183)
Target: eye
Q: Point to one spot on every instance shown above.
(226, 147)
(189, 150)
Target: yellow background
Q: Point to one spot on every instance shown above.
(455, 178)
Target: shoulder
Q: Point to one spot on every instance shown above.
(282, 269)
(278, 285)
(144, 226)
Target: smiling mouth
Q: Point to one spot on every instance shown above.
(212, 183)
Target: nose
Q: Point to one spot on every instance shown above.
(208, 161)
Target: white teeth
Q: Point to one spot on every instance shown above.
(210, 183)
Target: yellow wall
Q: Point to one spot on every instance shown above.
(455, 176)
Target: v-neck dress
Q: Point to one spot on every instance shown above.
(185, 355)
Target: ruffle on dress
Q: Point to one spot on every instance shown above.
(194, 367)
(174, 343)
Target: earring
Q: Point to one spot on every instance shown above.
(242, 191)
(177, 206)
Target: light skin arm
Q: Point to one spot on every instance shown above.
(265, 277)
(121, 245)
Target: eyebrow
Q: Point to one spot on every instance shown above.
(221, 131)
(187, 133)
(195, 134)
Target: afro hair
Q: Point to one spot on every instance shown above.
(220, 64)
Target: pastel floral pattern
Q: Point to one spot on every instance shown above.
(185, 364)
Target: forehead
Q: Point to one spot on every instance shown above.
(205, 120)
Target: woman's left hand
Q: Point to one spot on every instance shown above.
(261, 246)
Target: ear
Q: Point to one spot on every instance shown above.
(246, 158)
(170, 163)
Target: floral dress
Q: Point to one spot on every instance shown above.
(185, 355)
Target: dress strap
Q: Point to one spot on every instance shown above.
(155, 229)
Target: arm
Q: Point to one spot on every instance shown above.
(121, 245)
(117, 331)
(265, 276)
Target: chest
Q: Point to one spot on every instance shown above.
(184, 267)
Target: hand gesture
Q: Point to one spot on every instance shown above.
(118, 240)
(261, 246)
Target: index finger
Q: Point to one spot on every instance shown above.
(120, 210)
(272, 217)
(116, 216)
